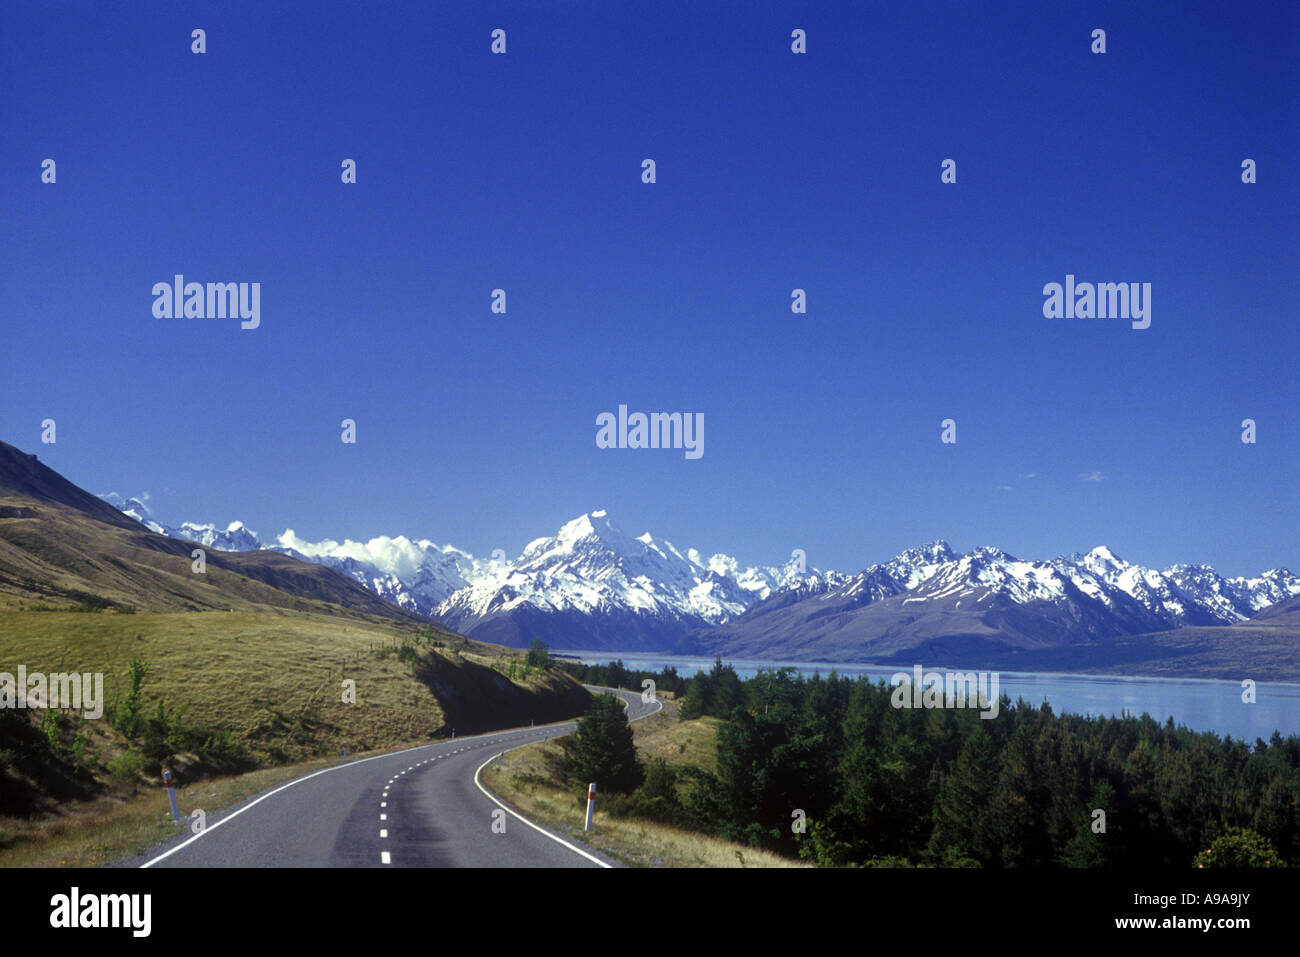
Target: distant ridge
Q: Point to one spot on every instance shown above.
(591, 586)
(62, 546)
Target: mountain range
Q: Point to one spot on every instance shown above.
(590, 586)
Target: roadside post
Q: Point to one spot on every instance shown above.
(591, 804)
(170, 784)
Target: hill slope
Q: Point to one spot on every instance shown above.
(61, 544)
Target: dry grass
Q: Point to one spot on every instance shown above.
(274, 678)
(251, 671)
(678, 742)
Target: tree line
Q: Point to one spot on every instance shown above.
(827, 769)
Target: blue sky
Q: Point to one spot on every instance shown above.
(775, 171)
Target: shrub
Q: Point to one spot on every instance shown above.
(125, 769)
(1239, 847)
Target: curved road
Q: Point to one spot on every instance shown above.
(422, 807)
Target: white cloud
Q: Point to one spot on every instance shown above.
(399, 556)
(1092, 476)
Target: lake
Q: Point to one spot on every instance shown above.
(1200, 704)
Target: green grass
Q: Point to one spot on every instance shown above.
(678, 742)
(253, 672)
(273, 679)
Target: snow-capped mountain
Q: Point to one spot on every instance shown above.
(1190, 594)
(592, 586)
(1180, 595)
(933, 598)
(414, 575)
(234, 538)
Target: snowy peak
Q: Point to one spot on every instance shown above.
(590, 578)
(1097, 583)
(587, 535)
(1102, 562)
(931, 553)
(916, 565)
(591, 566)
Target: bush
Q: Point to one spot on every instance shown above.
(50, 727)
(1239, 847)
(157, 747)
(125, 769)
(128, 719)
(655, 799)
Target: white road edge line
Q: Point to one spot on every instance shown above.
(558, 840)
(509, 810)
(338, 767)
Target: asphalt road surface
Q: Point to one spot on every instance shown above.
(422, 807)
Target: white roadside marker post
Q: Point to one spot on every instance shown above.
(591, 803)
(171, 793)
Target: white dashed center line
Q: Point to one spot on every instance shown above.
(385, 858)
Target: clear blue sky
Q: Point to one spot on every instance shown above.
(775, 171)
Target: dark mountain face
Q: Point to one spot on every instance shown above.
(1284, 613)
(22, 475)
(60, 543)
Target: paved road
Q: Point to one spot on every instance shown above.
(416, 808)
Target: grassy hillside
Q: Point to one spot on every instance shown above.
(242, 690)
